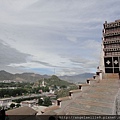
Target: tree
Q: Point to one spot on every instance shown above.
(12, 105)
(63, 86)
(18, 105)
(40, 101)
(47, 101)
(45, 89)
(55, 87)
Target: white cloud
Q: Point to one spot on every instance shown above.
(72, 39)
(65, 34)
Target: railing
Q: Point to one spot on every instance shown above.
(111, 41)
(112, 25)
(111, 34)
(111, 49)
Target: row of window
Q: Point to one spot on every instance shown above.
(112, 25)
(112, 30)
(112, 46)
(112, 53)
(111, 34)
(112, 38)
(112, 41)
(112, 49)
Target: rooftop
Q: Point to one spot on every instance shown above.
(29, 102)
(22, 111)
(98, 99)
(5, 99)
(64, 98)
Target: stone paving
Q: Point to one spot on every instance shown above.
(98, 99)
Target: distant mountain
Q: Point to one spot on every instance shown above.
(80, 78)
(32, 77)
(55, 80)
(26, 77)
(6, 76)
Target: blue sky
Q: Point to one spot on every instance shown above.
(43, 35)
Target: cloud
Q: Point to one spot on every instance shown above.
(72, 39)
(44, 63)
(61, 34)
(10, 55)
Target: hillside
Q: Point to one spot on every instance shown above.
(26, 77)
(6, 76)
(54, 80)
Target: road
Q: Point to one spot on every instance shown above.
(30, 95)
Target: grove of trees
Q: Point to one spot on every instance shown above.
(12, 92)
(45, 102)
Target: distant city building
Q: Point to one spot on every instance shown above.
(52, 91)
(5, 102)
(10, 88)
(110, 56)
(40, 91)
(7, 81)
(28, 103)
(43, 83)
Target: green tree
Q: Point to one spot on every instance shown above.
(45, 89)
(40, 101)
(12, 105)
(18, 105)
(63, 86)
(47, 101)
(55, 87)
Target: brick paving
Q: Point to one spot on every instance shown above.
(98, 99)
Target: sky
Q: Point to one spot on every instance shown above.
(61, 37)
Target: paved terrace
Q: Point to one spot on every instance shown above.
(98, 99)
(95, 97)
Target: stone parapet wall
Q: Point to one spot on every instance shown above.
(111, 76)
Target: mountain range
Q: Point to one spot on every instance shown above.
(25, 77)
(80, 78)
(32, 77)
